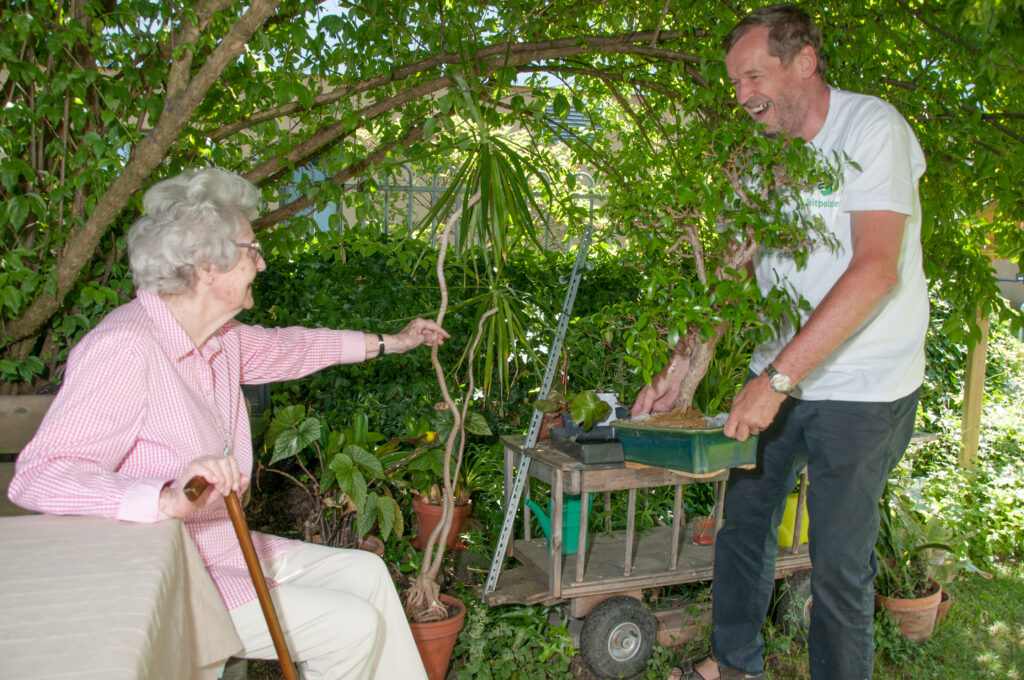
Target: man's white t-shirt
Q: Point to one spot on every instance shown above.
(883, 360)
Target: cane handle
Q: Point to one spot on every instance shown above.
(195, 488)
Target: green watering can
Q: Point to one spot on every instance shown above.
(570, 521)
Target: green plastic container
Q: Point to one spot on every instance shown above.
(695, 451)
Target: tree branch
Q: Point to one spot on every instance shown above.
(147, 156)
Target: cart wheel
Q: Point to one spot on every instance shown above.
(793, 606)
(618, 637)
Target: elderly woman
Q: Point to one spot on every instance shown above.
(151, 398)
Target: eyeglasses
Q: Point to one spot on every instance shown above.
(254, 248)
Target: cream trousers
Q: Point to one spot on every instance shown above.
(340, 613)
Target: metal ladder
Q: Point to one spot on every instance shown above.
(522, 473)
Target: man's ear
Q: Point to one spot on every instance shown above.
(807, 61)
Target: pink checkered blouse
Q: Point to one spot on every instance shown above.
(139, 401)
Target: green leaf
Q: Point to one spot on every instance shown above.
(560, 105)
(588, 409)
(360, 428)
(309, 432)
(389, 517)
(285, 419)
(360, 456)
(285, 446)
(477, 424)
(367, 516)
(349, 479)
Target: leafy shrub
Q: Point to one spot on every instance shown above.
(511, 643)
(985, 503)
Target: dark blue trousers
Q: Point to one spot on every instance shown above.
(849, 449)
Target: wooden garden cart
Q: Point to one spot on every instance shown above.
(605, 580)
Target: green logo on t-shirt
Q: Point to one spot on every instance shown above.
(818, 198)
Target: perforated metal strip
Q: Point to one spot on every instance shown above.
(522, 472)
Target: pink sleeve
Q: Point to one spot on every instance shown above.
(275, 354)
(70, 466)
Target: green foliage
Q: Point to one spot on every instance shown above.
(102, 103)
(914, 550)
(892, 645)
(359, 280)
(348, 470)
(423, 474)
(585, 407)
(985, 503)
(511, 642)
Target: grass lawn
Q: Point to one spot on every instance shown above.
(982, 637)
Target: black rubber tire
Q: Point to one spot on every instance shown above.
(618, 637)
(793, 605)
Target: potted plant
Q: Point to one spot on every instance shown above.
(585, 408)
(425, 474)
(553, 406)
(916, 557)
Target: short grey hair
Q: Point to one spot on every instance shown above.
(790, 30)
(189, 219)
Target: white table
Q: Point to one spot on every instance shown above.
(95, 598)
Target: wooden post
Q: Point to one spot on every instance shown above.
(974, 395)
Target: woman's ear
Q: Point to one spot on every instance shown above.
(204, 273)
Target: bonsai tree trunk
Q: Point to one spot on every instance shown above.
(701, 353)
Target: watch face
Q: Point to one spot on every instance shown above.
(781, 383)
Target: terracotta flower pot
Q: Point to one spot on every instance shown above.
(372, 544)
(548, 421)
(915, 617)
(428, 516)
(943, 607)
(436, 640)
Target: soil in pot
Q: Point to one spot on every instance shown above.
(686, 419)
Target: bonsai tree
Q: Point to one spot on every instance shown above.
(695, 210)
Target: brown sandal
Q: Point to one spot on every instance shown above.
(689, 671)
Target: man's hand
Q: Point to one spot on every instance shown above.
(223, 476)
(661, 394)
(753, 409)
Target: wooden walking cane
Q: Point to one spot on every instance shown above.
(193, 490)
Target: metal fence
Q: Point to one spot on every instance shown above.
(404, 200)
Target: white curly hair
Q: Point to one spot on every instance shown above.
(190, 219)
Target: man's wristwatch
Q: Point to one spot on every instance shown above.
(780, 382)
